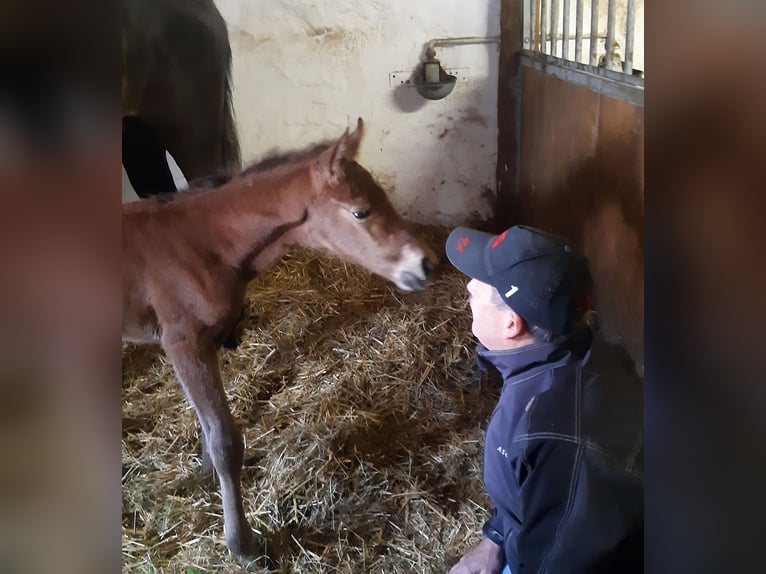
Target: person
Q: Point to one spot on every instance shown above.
(563, 452)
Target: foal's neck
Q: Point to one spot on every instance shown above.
(259, 218)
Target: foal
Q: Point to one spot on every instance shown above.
(187, 259)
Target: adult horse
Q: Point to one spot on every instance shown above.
(176, 92)
(187, 260)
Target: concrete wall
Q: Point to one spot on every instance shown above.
(304, 71)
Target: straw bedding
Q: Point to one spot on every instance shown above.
(363, 427)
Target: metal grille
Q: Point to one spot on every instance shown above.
(599, 33)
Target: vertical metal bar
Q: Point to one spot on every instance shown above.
(578, 32)
(554, 24)
(565, 31)
(594, 32)
(543, 25)
(527, 26)
(610, 17)
(630, 27)
(533, 18)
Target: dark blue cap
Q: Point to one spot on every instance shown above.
(541, 276)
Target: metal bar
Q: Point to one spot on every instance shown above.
(594, 32)
(463, 40)
(578, 32)
(565, 31)
(543, 24)
(610, 17)
(630, 29)
(608, 82)
(554, 24)
(528, 28)
(533, 18)
(545, 59)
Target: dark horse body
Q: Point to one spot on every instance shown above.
(176, 92)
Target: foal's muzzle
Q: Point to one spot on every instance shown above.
(415, 268)
(411, 282)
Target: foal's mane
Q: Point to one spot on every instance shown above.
(295, 157)
(272, 161)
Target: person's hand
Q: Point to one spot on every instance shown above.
(484, 558)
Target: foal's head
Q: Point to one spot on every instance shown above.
(351, 216)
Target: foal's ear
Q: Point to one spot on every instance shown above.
(355, 137)
(345, 148)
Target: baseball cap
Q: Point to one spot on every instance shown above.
(541, 276)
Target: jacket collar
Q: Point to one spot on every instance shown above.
(560, 351)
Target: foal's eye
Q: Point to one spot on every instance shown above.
(361, 214)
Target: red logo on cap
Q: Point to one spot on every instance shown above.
(499, 239)
(462, 243)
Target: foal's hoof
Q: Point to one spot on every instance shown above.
(248, 546)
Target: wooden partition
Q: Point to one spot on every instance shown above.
(571, 160)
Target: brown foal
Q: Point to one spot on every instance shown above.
(188, 257)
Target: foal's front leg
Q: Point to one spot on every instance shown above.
(196, 366)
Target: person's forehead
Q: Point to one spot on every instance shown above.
(483, 288)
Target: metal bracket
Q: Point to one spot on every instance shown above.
(403, 78)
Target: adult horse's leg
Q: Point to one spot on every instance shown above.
(196, 366)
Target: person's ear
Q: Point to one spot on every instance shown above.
(513, 325)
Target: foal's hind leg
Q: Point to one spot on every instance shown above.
(196, 367)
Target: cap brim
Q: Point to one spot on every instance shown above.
(465, 250)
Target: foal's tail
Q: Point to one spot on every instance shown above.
(230, 144)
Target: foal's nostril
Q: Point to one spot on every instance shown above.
(428, 267)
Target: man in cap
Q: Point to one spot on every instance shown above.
(563, 453)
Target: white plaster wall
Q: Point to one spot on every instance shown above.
(304, 71)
